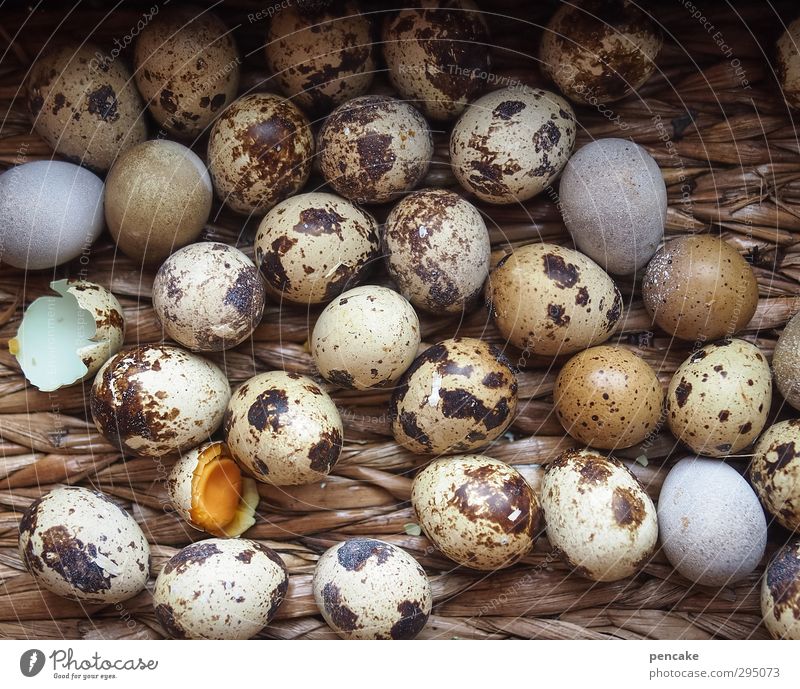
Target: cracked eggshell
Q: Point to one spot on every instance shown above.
(79, 544)
(366, 338)
(786, 362)
(208, 296)
(719, 398)
(259, 152)
(780, 593)
(283, 429)
(512, 143)
(312, 247)
(787, 63)
(480, 512)
(370, 589)
(437, 250)
(220, 589)
(374, 148)
(598, 515)
(458, 395)
(775, 472)
(156, 400)
(712, 526)
(550, 300)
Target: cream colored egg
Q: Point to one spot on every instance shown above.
(780, 593)
(787, 63)
(786, 362)
(775, 472)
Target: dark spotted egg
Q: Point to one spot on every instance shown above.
(780, 593)
(79, 544)
(775, 472)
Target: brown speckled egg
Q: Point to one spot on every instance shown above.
(259, 152)
(283, 429)
(780, 593)
(547, 299)
(187, 68)
(438, 55)
(458, 395)
(366, 338)
(719, 398)
(786, 362)
(208, 296)
(158, 400)
(608, 397)
(699, 288)
(312, 247)
(512, 143)
(787, 63)
(370, 589)
(437, 250)
(79, 544)
(598, 515)
(220, 589)
(374, 148)
(775, 472)
(599, 51)
(84, 104)
(480, 512)
(321, 60)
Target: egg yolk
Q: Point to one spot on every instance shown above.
(216, 492)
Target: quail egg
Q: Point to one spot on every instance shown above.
(787, 64)
(786, 362)
(775, 472)
(780, 593)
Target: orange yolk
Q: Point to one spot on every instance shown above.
(216, 493)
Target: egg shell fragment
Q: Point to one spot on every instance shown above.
(786, 362)
(780, 593)
(775, 472)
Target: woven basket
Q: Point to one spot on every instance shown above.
(729, 155)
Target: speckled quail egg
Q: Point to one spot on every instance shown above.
(220, 589)
(712, 527)
(157, 400)
(458, 395)
(321, 60)
(787, 63)
(780, 593)
(259, 152)
(775, 472)
(158, 197)
(699, 288)
(187, 68)
(480, 512)
(719, 398)
(598, 515)
(547, 299)
(79, 544)
(614, 203)
(283, 429)
(437, 250)
(312, 247)
(366, 338)
(374, 148)
(786, 362)
(438, 55)
(370, 589)
(608, 397)
(208, 296)
(207, 489)
(84, 104)
(512, 143)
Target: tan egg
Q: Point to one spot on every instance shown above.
(775, 472)
(220, 589)
(786, 362)
(283, 429)
(84, 104)
(374, 148)
(512, 143)
(187, 68)
(438, 55)
(780, 593)
(312, 247)
(608, 397)
(437, 250)
(599, 51)
(598, 515)
(550, 300)
(366, 338)
(321, 60)
(480, 512)
(259, 152)
(699, 288)
(157, 400)
(370, 589)
(458, 395)
(719, 398)
(158, 197)
(787, 63)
